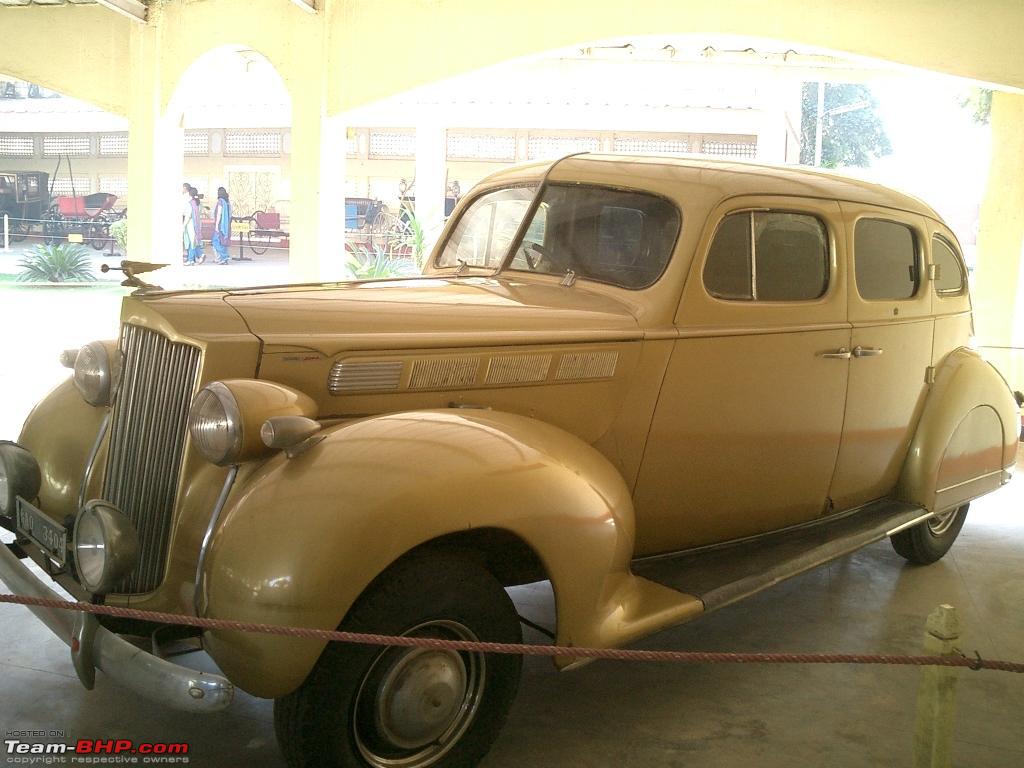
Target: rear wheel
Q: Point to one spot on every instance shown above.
(378, 707)
(928, 541)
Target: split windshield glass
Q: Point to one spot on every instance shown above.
(614, 236)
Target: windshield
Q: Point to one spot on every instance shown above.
(485, 231)
(614, 236)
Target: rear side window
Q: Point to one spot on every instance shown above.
(886, 258)
(950, 277)
(768, 256)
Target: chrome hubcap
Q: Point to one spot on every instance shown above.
(414, 704)
(420, 697)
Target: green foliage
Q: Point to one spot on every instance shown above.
(414, 240)
(119, 231)
(378, 263)
(56, 263)
(851, 138)
(979, 102)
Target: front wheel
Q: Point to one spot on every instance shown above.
(377, 707)
(928, 541)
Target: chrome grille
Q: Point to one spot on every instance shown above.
(147, 437)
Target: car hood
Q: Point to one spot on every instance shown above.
(429, 312)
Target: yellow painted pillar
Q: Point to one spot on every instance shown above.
(998, 289)
(155, 156)
(317, 221)
(431, 177)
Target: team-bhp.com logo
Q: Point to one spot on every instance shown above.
(30, 748)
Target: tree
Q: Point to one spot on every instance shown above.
(979, 102)
(851, 138)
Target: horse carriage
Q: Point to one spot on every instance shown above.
(24, 199)
(87, 215)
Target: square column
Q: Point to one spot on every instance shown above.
(431, 179)
(998, 287)
(155, 157)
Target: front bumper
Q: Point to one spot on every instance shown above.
(149, 676)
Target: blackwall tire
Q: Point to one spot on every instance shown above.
(929, 541)
(363, 706)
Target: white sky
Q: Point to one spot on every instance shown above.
(939, 153)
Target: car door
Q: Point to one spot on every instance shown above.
(747, 426)
(890, 311)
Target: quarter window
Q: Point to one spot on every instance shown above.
(885, 255)
(950, 278)
(768, 256)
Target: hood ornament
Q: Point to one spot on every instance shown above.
(133, 268)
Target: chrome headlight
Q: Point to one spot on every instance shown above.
(106, 546)
(97, 371)
(19, 476)
(215, 423)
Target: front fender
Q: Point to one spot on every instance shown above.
(966, 438)
(304, 537)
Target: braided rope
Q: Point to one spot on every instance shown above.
(613, 654)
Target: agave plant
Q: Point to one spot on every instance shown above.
(378, 263)
(119, 231)
(56, 263)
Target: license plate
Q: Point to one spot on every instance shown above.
(53, 538)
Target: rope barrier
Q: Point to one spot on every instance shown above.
(612, 654)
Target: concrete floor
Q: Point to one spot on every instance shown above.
(660, 715)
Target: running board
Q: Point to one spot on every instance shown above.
(721, 575)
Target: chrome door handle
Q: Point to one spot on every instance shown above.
(840, 354)
(866, 351)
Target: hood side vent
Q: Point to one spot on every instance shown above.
(587, 365)
(444, 373)
(518, 369)
(373, 376)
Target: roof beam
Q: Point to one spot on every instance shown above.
(133, 9)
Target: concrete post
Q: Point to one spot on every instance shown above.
(936, 697)
(155, 156)
(318, 159)
(998, 289)
(431, 178)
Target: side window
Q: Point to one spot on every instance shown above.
(728, 272)
(768, 256)
(951, 274)
(885, 255)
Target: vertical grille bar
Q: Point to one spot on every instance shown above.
(147, 438)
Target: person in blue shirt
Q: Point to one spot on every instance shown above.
(222, 226)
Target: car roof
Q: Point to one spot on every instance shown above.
(729, 177)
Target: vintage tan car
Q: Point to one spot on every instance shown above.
(661, 384)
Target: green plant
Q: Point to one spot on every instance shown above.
(378, 263)
(414, 240)
(119, 231)
(56, 263)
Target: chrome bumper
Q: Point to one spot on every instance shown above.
(149, 676)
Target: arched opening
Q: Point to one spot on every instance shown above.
(232, 114)
(714, 96)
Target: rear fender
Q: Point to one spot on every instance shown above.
(966, 439)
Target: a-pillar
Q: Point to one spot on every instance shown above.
(155, 156)
(431, 178)
(998, 290)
